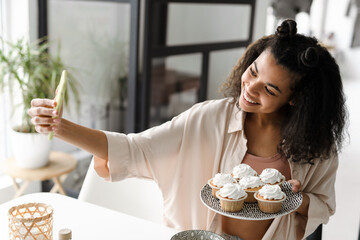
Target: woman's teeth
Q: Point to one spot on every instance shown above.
(248, 99)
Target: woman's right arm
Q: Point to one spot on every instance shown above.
(46, 120)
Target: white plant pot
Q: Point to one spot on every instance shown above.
(30, 150)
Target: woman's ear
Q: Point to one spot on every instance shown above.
(291, 103)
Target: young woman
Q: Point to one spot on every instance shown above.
(284, 109)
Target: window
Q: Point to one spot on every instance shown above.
(4, 109)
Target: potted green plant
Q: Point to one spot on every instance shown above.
(28, 71)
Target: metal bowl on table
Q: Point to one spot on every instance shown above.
(196, 235)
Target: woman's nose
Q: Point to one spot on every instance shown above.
(253, 85)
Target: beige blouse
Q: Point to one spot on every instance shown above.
(183, 154)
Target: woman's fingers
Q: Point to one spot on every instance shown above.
(44, 121)
(44, 116)
(42, 111)
(296, 185)
(40, 102)
(45, 129)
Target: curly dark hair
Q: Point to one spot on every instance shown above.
(314, 126)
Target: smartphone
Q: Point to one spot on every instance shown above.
(59, 98)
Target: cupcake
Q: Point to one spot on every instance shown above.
(251, 184)
(270, 198)
(271, 176)
(231, 197)
(219, 181)
(242, 170)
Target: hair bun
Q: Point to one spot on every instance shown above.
(286, 29)
(309, 58)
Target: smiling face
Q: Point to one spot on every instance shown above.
(265, 86)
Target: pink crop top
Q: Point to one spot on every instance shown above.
(277, 161)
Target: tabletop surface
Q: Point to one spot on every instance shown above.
(88, 221)
(59, 163)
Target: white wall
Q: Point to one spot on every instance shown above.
(337, 22)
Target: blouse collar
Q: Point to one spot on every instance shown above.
(236, 120)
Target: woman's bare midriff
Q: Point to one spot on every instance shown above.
(246, 229)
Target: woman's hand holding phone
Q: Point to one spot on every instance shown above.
(46, 113)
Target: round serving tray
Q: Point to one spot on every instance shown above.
(251, 211)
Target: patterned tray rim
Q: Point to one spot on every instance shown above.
(270, 216)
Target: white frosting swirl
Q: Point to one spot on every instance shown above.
(250, 182)
(271, 176)
(232, 191)
(243, 170)
(221, 179)
(271, 192)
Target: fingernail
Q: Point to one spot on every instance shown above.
(54, 128)
(56, 120)
(55, 113)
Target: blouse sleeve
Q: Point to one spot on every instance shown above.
(134, 155)
(321, 191)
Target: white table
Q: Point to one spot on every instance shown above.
(88, 221)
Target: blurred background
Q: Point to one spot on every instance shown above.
(139, 63)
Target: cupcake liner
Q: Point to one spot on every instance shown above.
(214, 189)
(250, 196)
(269, 206)
(231, 205)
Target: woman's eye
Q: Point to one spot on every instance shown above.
(252, 72)
(270, 92)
